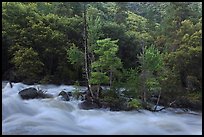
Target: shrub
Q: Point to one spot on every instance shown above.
(135, 104)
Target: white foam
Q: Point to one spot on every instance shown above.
(54, 116)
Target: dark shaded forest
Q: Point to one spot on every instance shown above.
(148, 48)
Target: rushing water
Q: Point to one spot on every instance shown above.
(54, 116)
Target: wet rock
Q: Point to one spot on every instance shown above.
(29, 93)
(64, 95)
(42, 94)
(69, 93)
(88, 105)
(32, 93)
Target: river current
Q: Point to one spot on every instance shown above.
(56, 117)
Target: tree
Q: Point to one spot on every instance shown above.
(74, 55)
(86, 53)
(176, 13)
(47, 33)
(151, 63)
(121, 15)
(94, 24)
(186, 60)
(27, 64)
(153, 11)
(105, 67)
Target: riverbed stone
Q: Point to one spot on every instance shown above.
(28, 93)
(64, 95)
(33, 93)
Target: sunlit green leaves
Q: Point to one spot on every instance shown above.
(27, 63)
(135, 104)
(153, 84)
(107, 49)
(99, 78)
(95, 23)
(107, 61)
(74, 55)
(151, 59)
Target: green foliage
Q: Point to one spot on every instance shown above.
(113, 99)
(27, 63)
(74, 55)
(121, 14)
(38, 26)
(136, 22)
(135, 104)
(137, 26)
(76, 92)
(98, 78)
(151, 62)
(39, 37)
(110, 94)
(186, 60)
(153, 84)
(151, 59)
(107, 50)
(94, 27)
(154, 11)
(107, 61)
(196, 96)
(131, 82)
(176, 13)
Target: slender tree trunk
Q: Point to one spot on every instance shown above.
(92, 58)
(87, 71)
(144, 74)
(144, 94)
(98, 88)
(144, 86)
(157, 101)
(111, 76)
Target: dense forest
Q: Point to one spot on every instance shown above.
(148, 49)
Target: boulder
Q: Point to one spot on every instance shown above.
(29, 93)
(65, 95)
(32, 93)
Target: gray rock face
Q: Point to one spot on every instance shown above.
(29, 93)
(32, 93)
(65, 95)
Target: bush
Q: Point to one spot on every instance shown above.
(134, 104)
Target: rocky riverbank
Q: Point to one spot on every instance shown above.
(106, 99)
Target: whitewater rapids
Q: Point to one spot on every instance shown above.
(56, 117)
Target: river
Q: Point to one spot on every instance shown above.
(56, 117)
